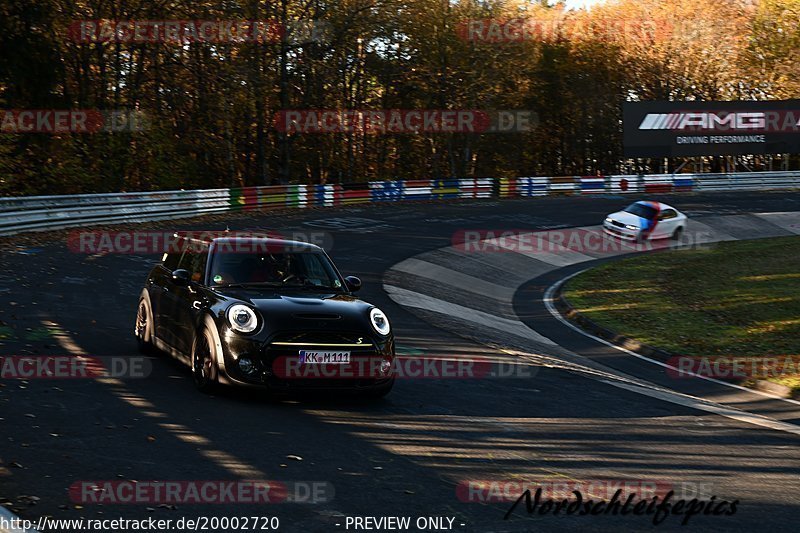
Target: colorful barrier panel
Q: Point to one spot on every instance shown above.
(532, 186)
(659, 183)
(297, 196)
(443, 189)
(683, 183)
(508, 187)
(356, 193)
(417, 190)
(624, 183)
(36, 213)
(592, 184)
(386, 191)
(475, 187)
(244, 198)
(326, 195)
(562, 186)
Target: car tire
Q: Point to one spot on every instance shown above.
(204, 362)
(676, 235)
(143, 328)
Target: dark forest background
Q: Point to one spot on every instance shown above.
(209, 108)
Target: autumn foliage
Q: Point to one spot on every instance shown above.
(210, 106)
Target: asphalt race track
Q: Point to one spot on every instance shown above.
(406, 455)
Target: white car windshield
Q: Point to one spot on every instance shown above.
(642, 210)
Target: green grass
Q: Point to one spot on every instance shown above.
(734, 299)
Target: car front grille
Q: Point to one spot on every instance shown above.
(617, 223)
(287, 346)
(321, 338)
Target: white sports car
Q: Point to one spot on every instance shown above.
(646, 220)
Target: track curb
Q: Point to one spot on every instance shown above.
(465, 302)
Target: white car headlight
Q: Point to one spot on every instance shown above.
(609, 220)
(631, 226)
(242, 318)
(379, 321)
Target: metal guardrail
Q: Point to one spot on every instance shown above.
(52, 212)
(738, 182)
(38, 213)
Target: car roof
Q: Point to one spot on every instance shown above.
(206, 239)
(296, 246)
(655, 205)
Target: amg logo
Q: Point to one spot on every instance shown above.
(723, 121)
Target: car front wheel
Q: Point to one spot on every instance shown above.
(676, 235)
(144, 327)
(204, 362)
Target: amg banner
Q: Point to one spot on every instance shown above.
(662, 129)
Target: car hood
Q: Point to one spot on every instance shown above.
(325, 303)
(629, 218)
(284, 311)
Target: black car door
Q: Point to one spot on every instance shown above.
(159, 284)
(186, 300)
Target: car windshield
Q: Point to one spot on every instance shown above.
(642, 210)
(283, 269)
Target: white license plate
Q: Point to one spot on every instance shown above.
(310, 357)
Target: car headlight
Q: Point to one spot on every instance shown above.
(379, 321)
(242, 318)
(609, 220)
(631, 226)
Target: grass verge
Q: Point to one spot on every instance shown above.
(736, 299)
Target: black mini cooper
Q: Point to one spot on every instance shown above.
(262, 312)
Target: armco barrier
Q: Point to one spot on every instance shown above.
(417, 190)
(746, 181)
(325, 195)
(386, 191)
(35, 213)
(48, 212)
(562, 185)
(508, 187)
(473, 187)
(622, 184)
(592, 184)
(683, 183)
(657, 184)
(532, 186)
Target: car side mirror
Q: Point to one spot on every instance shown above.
(353, 283)
(181, 277)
